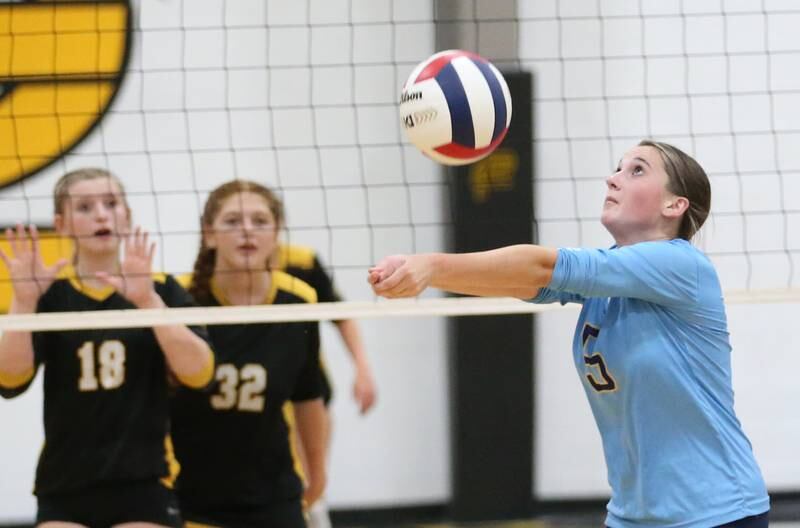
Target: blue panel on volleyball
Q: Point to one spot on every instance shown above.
(457, 102)
(497, 97)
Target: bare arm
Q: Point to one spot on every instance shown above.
(188, 356)
(310, 417)
(30, 278)
(16, 351)
(513, 271)
(364, 386)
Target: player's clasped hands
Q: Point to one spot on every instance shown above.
(29, 275)
(400, 276)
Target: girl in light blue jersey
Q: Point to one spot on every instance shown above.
(651, 345)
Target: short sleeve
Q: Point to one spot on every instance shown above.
(309, 383)
(16, 389)
(320, 280)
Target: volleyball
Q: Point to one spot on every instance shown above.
(455, 107)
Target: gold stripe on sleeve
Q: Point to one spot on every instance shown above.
(173, 466)
(12, 381)
(201, 378)
(294, 440)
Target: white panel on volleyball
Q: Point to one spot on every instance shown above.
(479, 95)
(431, 126)
(506, 92)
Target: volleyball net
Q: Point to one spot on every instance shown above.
(177, 97)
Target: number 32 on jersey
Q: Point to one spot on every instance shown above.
(241, 388)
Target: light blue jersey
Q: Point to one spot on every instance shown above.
(652, 350)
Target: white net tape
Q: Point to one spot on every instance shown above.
(452, 306)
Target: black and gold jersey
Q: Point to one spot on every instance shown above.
(302, 262)
(106, 410)
(233, 442)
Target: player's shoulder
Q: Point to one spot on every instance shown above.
(675, 250)
(184, 279)
(296, 256)
(167, 281)
(293, 287)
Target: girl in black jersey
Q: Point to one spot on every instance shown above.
(237, 465)
(107, 458)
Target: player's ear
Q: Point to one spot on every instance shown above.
(58, 223)
(209, 240)
(675, 206)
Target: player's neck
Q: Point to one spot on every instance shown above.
(244, 288)
(635, 237)
(87, 265)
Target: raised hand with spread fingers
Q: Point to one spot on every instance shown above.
(135, 281)
(30, 277)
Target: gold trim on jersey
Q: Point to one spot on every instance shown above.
(295, 286)
(97, 294)
(294, 441)
(294, 256)
(102, 293)
(173, 466)
(185, 280)
(12, 381)
(323, 367)
(279, 280)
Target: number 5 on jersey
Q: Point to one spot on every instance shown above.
(601, 379)
(243, 388)
(111, 359)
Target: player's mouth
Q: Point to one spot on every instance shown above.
(247, 248)
(103, 233)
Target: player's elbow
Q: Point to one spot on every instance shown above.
(526, 292)
(198, 377)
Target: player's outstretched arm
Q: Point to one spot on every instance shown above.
(512, 271)
(189, 357)
(30, 279)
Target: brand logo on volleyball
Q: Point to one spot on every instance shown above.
(419, 118)
(412, 96)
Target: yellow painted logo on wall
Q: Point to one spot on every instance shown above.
(61, 64)
(493, 174)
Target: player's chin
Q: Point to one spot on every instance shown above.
(100, 246)
(250, 261)
(608, 219)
